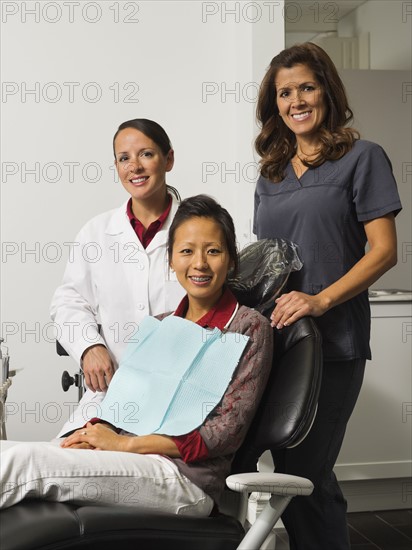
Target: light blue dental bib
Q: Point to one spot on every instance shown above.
(171, 379)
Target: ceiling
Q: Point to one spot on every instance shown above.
(311, 16)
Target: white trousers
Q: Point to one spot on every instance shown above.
(44, 470)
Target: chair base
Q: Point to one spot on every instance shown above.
(39, 525)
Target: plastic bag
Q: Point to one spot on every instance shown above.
(264, 268)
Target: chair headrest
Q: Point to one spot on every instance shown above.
(264, 268)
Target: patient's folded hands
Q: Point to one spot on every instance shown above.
(100, 437)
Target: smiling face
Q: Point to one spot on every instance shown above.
(141, 165)
(300, 100)
(201, 260)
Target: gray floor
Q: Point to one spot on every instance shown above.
(387, 530)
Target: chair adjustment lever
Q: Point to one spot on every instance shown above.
(68, 380)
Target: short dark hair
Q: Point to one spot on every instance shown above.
(203, 206)
(155, 132)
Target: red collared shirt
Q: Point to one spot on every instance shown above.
(191, 446)
(218, 316)
(145, 236)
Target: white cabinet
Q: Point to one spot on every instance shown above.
(375, 461)
(378, 441)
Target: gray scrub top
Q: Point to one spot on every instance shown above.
(323, 213)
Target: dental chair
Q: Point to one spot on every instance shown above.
(284, 417)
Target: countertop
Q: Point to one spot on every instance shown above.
(390, 295)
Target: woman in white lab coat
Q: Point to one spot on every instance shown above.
(117, 271)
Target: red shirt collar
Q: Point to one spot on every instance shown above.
(218, 316)
(146, 236)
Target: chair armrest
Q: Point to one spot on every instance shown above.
(275, 484)
(282, 488)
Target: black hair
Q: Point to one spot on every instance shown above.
(203, 206)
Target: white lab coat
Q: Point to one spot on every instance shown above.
(112, 280)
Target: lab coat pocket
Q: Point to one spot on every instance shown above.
(174, 292)
(170, 275)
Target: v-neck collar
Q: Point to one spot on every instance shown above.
(291, 176)
(326, 173)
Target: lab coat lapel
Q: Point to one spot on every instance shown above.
(131, 254)
(160, 239)
(119, 224)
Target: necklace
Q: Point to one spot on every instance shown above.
(306, 158)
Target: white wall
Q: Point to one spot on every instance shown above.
(389, 26)
(369, 93)
(175, 62)
(382, 103)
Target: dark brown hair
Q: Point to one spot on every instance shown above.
(276, 143)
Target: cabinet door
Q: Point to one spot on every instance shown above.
(378, 440)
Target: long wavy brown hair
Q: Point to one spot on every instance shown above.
(276, 143)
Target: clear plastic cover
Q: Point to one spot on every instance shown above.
(264, 268)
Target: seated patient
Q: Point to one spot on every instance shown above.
(177, 473)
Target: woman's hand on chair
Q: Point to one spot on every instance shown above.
(293, 305)
(97, 367)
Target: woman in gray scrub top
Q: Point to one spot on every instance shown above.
(331, 193)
